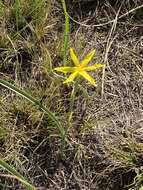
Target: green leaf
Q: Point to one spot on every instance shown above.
(34, 102)
(16, 175)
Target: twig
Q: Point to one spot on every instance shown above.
(106, 23)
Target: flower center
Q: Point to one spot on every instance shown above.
(80, 68)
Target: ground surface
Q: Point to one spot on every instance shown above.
(104, 147)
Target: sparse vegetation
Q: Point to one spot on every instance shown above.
(71, 136)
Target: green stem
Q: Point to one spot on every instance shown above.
(72, 99)
(70, 116)
(66, 32)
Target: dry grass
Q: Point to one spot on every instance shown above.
(104, 146)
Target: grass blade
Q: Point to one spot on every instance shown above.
(36, 103)
(16, 174)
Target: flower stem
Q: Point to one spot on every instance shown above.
(66, 32)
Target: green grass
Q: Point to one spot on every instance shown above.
(16, 175)
(35, 103)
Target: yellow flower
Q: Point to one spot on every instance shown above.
(80, 68)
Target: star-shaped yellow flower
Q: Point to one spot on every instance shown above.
(80, 68)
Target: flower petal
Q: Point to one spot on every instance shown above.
(65, 69)
(74, 57)
(71, 77)
(88, 77)
(93, 67)
(88, 58)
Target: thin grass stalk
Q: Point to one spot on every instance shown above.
(36, 103)
(70, 115)
(16, 175)
(72, 100)
(66, 32)
(17, 7)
